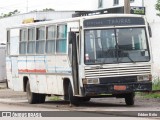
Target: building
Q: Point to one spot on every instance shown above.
(152, 18)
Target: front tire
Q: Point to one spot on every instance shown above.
(73, 99)
(129, 99)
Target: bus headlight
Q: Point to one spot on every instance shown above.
(91, 81)
(144, 78)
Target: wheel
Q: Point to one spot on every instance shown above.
(73, 100)
(41, 98)
(85, 99)
(7, 84)
(129, 99)
(32, 97)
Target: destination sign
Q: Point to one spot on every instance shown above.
(113, 21)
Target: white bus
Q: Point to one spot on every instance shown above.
(80, 58)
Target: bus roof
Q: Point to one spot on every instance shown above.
(73, 19)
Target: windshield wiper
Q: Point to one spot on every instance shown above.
(127, 55)
(130, 58)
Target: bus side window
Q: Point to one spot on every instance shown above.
(40, 40)
(51, 36)
(23, 41)
(31, 41)
(61, 39)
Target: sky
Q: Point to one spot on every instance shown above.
(30, 5)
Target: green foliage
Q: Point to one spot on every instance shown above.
(48, 9)
(55, 98)
(10, 13)
(155, 86)
(43, 10)
(157, 6)
(148, 95)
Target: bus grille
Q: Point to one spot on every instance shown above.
(119, 70)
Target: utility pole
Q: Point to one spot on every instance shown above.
(142, 3)
(27, 6)
(127, 7)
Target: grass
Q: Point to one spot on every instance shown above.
(55, 98)
(153, 95)
(155, 86)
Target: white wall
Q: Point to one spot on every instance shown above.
(155, 43)
(151, 11)
(109, 3)
(149, 4)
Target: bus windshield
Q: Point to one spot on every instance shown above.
(118, 45)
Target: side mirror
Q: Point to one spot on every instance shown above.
(72, 37)
(149, 30)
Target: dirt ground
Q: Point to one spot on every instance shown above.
(101, 104)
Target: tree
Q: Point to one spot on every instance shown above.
(43, 10)
(10, 13)
(157, 6)
(48, 9)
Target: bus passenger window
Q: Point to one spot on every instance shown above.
(61, 39)
(40, 40)
(31, 41)
(23, 41)
(51, 36)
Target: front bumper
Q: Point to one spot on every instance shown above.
(99, 89)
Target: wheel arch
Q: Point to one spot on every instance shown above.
(66, 82)
(25, 80)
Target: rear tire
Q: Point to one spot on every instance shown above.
(129, 99)
(85, 99)
(34, 98)
(41, 98)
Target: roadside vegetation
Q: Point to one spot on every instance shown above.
(155, 86)
(55, 98)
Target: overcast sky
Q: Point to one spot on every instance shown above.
(21, 5)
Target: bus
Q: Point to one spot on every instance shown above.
(80, 58)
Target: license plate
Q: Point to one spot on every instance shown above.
(119, 87)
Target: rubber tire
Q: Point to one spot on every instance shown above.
(7, 84)
(41, 98)
(73, 100)
(32, 97)
(129, 99)
(85, 99)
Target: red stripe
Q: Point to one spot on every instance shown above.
(32, 71)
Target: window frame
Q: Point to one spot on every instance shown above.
(51, 39)
(60, 38)
(39, 40)
(31, 40)
(115, 2)
(23, 40)
(100, 3)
